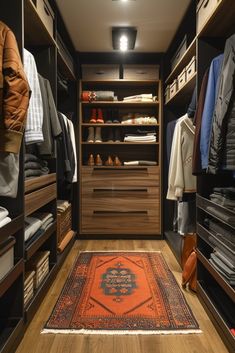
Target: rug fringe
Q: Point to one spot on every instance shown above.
(119, 332)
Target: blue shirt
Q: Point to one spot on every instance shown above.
(208, 110)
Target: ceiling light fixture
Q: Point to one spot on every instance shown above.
(123, 38)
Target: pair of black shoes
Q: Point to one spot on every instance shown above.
(112, 117)
(114, 135)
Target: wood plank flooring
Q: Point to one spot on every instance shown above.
(34, 342)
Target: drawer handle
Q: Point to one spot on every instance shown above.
(119, 169)
(46, 10)
(120, 212)
(100, 73)
(206, 3)
(119, 190)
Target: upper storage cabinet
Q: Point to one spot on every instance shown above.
(39, 21)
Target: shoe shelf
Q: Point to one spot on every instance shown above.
(124, 167)
(120, 104)
(120, 143)
(118, 125)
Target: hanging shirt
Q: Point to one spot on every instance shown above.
(180, 178)
(72, 136)
(209, 105)
(33, 131)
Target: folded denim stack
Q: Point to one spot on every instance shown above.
(4, 219)
(223, 257)
(147, 138)
(34, 167)
(224, 196)
(36, 225)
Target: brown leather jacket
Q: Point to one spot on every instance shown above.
(14, 92)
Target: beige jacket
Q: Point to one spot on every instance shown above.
(14, 93)
(180, 178)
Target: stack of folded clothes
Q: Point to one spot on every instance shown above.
(223, 257)
(224, 196)
(147, 137)
(138, 118)
(140, 163)
(4, 219)
(89, 96)
(34, 167)
(145, 97)
(36, 225)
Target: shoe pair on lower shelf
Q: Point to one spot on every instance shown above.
(97, 161)
(94, 134)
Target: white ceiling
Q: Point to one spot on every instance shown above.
(89, 22)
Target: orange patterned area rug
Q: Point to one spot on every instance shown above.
(121, 293)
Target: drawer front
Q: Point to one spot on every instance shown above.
(121, 223)
(39, 198)
(130, 210)
(182, 79)
(205, 10)
(191, 69)
(141, 72)
(47, 15)
(100, 72)
(121, 176)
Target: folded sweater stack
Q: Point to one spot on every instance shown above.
(37, 224)
(4, 219)
(34, 167)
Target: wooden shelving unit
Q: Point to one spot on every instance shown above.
(183, 95)
(143, 221)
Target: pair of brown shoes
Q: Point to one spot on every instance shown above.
(116, 162)
(94, 161)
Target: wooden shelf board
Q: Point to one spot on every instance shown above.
(31, 249)
(120, 143)
(11, 277)
(182, 95)
(12, 227)
(62, 256)
(118, 125)
(215, 316)
(65, 69)
(123, 167)
(185, 60)
(120, 103)
(9, 334)
(122, 82)
(34, 25)
(39, 182)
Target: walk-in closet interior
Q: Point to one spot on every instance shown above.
(107, 148)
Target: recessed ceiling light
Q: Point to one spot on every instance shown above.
(124, 38)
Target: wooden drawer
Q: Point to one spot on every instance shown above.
(130, 210)
(205, 9)
(121, 222)
(121, 176)
(100, 72)
(120, 198)
(182, 79)
(39, 198)
(141, 72)
(46, 14)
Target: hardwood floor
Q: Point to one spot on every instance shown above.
(34, 342)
